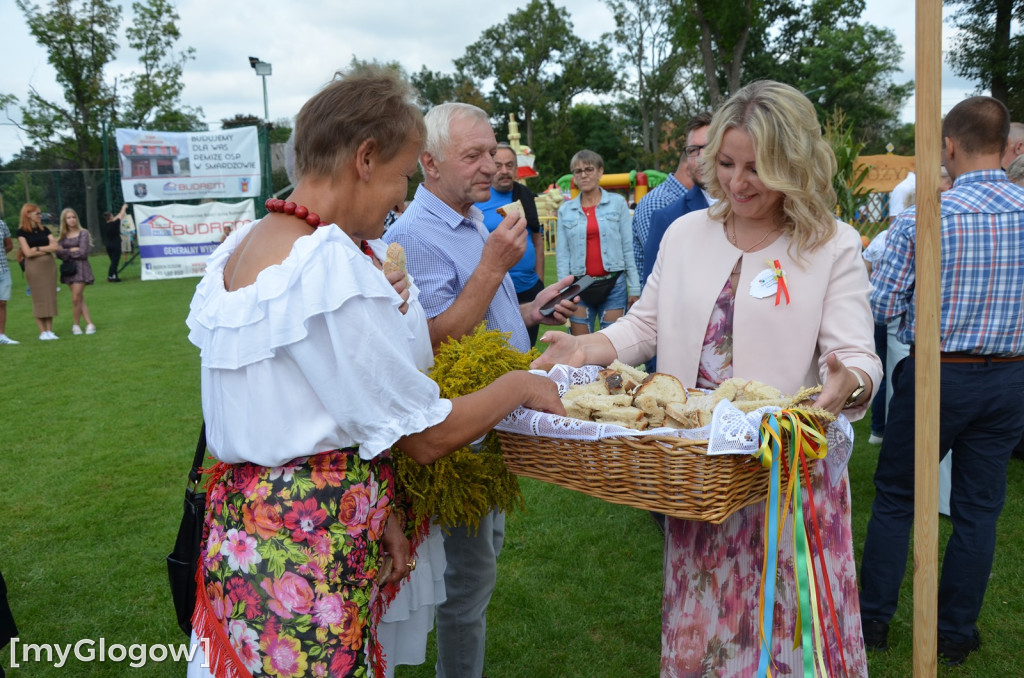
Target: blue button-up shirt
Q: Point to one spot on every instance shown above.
(664, 194)
(442, 249)
(982, 268)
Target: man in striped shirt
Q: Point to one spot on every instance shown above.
(982, 379)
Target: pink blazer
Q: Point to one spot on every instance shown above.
(785, 345)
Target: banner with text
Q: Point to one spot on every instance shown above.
(175, 240)
(189, 165)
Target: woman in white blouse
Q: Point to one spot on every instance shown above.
(309, 377)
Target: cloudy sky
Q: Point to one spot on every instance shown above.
(307, 40)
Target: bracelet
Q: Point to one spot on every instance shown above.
(857, 392)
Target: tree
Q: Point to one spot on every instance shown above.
(241, 120)
(593, 126)
(80, 37)
(849, 178)
(817, 46)
(537, 62)
(987, 49)
(825, 51)
(719, 30)
(80, 42)
(154, 101)
(280, 131)
(436, 88)
(655, 60)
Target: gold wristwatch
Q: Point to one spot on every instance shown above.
(856, 392)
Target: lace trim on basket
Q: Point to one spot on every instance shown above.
(731, 431)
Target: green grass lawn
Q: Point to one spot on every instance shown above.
(98, 432)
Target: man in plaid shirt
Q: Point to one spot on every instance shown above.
(982, 379)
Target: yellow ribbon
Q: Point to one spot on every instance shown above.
(806, 439)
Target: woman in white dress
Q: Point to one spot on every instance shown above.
(310, 373)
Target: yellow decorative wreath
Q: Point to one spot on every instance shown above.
(465, 485)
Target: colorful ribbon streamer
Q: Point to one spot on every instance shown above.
(806, 440)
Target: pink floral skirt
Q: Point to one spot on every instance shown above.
(287, 578)
(709, 615)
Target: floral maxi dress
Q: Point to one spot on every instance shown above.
(710, 620)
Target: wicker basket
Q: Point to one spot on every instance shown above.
(669, 475)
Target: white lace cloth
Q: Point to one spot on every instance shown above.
(731, 431)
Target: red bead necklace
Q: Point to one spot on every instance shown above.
(300, 211)
(311, 218)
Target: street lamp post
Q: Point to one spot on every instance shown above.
(263, 69)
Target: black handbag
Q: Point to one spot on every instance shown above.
(183, 560)
(595, 295)
(68, 269)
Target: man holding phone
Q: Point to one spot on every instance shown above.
(528, 273)
(461, 271)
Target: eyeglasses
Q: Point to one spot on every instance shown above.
(580, 171)
(693, 151)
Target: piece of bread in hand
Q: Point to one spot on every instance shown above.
(574, 410)
(599, 387)
(394, 260)
(511, 208)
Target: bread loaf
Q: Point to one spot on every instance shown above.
(632, 398)
(394, 260)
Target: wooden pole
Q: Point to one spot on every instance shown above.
(926, 386)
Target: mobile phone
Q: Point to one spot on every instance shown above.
(568, 292)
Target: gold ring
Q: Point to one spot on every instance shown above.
(412, 564)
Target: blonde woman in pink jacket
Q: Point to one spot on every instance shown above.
(713, 309)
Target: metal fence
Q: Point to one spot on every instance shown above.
(94, 191)
(55, 189)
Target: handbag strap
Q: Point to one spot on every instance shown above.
(197, 462)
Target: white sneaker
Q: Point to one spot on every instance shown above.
(44, 336)
(4, 339)
(53, 336)
(75, 329)
(874, 439)
(90, 329)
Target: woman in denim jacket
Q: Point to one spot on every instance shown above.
(595, 238)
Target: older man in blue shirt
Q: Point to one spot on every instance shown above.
(982, 380)
(462, 273)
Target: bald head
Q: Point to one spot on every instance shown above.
(974, 135)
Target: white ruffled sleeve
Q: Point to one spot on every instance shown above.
(315, 355)
(357, 361)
